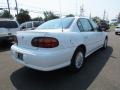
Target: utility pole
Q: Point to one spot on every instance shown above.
(16, 8)
(107, 17)
(90, 16)
(104, 15)
(76, 8)
(8, 6)
(82, 10)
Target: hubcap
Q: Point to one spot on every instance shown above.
(79, 60)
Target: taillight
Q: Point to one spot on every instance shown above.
(15, 40)
(45, 42)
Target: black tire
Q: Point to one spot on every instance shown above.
(116, 33)
(105, 44)
(76, 65)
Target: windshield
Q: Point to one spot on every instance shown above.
(118, 26)
(8, 24)
(57, 23)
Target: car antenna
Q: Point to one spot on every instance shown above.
(60, 15)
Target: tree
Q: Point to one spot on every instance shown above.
(23, 16)
(37, 19)
(96, 19)
(70, 15)
(5, 14)
(49, 15)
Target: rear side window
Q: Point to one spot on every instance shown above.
(36, 24)
(86, 24)
(8, 24)
(29, 25)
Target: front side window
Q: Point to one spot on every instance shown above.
(95, 26)
(57, 23)
(23, 26)
(8, 24)
(86, 24)
(80, 25)
(36, 24)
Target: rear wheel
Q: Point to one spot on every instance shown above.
(77, 60)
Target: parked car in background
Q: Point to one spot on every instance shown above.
(117, 29)
(59, 43)
(8, 29)
(31, 25)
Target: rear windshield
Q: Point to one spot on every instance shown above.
(8, 24)
(57, 23)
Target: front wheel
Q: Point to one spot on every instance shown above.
(77, 60)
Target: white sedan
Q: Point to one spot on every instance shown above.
(58, 43)
(117, 29)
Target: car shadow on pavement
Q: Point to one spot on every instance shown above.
(28, 79)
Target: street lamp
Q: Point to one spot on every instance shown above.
(8, 6)
(16, 8)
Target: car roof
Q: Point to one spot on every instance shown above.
(6, 19)
(77, 17)
(29, 22)
(81, 17)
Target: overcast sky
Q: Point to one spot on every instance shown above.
(95, 7)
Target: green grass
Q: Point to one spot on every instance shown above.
(112, 27)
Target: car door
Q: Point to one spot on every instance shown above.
(88, 34)
(99, 34)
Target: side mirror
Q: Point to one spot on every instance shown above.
(23, 27)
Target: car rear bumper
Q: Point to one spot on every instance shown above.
(43, 60)
(118, 31)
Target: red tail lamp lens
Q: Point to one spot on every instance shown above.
(45, 42)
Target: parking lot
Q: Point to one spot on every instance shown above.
(101, 72)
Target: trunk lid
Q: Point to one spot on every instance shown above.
(3, 32)
(25, 37)
(8, 32)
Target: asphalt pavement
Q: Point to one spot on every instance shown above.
(101, 72)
